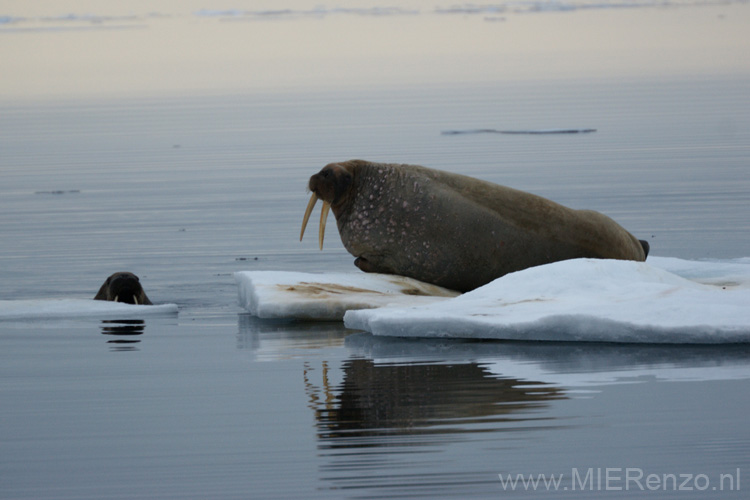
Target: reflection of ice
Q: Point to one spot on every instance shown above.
(271, 340)
(567, 364)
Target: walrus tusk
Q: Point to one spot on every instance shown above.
(117, 298)
(323, 218)
(308, 211)
(135, 300)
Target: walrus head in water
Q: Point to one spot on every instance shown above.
(123, 287)
(452, 230)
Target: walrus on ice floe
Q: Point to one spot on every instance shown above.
(452, 230)
(123, 287)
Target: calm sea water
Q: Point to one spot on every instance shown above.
(184, 191)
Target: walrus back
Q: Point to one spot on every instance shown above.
(588, 233)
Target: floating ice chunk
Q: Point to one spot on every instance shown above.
(549, 131)
(726, 273)
(585, 300)
(75, 308)
(282, 294)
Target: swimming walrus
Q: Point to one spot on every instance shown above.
(123, 287)
(452, 230)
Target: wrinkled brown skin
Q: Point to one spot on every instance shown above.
(124, 286)
(456, 231)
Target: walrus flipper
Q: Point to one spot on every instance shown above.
(368, 266)
(646, 248)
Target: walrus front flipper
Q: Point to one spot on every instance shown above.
(646, 248)
(368, 267)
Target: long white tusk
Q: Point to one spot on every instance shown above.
(117, 298)
(323, 218)
(308, 211)
(135, 300)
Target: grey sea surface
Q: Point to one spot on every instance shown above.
(213, 403)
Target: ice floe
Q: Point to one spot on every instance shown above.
(284, 294)
(665, 300)
(77, 308)
(546, 131)
(584, 300)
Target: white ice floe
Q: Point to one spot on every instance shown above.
(77, 308)
(284, 294)
(730, 273)
(665, 300)
(587, 300)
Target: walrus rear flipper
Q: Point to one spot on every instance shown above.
(646, 248)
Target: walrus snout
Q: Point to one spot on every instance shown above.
(332, 183)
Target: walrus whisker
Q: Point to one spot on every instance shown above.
(308, 211)
(323, 218)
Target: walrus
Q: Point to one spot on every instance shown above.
(455, 231)
(123, 287)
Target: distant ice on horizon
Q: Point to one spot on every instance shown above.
(296, 10)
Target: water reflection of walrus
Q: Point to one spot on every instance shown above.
(390, 399)
(123, 287)
(452, 230)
